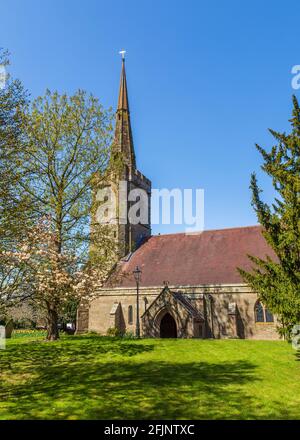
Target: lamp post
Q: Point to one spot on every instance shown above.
(137, 275)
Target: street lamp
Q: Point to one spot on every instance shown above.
(137, 275)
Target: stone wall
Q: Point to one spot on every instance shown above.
(221, 323)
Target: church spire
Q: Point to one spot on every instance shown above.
(123, 142)
(123, 93)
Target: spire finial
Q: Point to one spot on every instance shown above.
(122, 53)
(123, 95)
(123, 134)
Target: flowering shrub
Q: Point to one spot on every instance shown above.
(51, 278)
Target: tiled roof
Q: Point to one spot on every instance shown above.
(210, 257)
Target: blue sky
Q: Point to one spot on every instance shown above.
(206, 79)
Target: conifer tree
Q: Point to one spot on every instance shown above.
(277, 280)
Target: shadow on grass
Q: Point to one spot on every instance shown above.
(67, 350)
(101, 378)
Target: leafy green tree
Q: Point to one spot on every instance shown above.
(67, 143)
(14, 207)
(13, 101)
(277, 279)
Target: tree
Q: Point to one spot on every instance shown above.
(51, 279)
(67, 143)
(277, 280)
(14, 206)
(13, 101)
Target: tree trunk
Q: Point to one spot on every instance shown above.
(52, 325)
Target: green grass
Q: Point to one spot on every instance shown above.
(89, 377)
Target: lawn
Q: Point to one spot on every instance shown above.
(92, 377)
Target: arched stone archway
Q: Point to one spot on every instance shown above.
(168, 327)
(171, 315)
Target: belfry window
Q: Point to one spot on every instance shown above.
(130, 315)
(262, 314)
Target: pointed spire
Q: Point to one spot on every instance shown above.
(123, 142)
(123, 94)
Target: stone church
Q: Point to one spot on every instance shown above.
(190, 286)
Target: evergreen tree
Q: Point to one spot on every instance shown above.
(277, 280)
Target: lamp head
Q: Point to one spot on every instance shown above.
(137, 274)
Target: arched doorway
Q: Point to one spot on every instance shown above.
(168, 328)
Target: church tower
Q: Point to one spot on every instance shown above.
(129, 216)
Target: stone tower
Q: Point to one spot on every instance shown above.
(128, 217)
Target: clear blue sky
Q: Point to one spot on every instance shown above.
(206, 79)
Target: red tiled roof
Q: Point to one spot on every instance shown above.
(210, 257)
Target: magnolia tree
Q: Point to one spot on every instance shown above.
(50, 279)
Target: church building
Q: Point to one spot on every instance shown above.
(189, 283)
